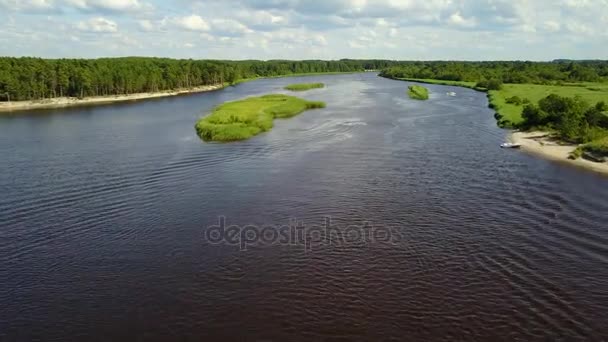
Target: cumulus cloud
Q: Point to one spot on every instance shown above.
(411, 29)
(98, 25)
(457, 19)
(192, 22)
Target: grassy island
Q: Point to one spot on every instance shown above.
(418, 92)
(304, 86)
(243, 119)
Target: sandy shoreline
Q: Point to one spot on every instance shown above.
(541, 144)
(72, 101)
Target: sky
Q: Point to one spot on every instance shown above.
(307, 29)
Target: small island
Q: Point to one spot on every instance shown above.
(243, 119)
(418, 92)
(304, 86)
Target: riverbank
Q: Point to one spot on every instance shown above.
(542, 144)
(61, 102)
(509, 101)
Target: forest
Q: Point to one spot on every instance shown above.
(36, 78)
(28, 78)
(556, 72)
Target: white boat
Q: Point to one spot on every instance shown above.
(451, 93)
(510, 145)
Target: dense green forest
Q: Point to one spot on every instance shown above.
(36, 78)
(503, 72)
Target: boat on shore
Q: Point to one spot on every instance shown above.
(510, 145)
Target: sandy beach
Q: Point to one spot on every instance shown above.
(73, 101)
(541, 144)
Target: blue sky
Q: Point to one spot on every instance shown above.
(300, 29)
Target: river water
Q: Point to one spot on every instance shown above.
(410, 224)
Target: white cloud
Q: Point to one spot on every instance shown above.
(146, 25)
(551, 26)
(579, 28)
(355, 45)
(267, 29)
(229, 28)
(456, 19)
(29, 6)
(109, 5)
(97, 24)
(192, 23)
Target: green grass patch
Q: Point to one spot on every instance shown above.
(509, 112)
(243, 119)
(304, 86)
(599, 146)
(418, 92)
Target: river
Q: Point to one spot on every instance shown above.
(107, 221)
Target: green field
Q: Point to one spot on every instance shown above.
(590, 92)
(304, 86)
(243, 119)
(418, 92)
(510, 114)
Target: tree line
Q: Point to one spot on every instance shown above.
(36, 78)
(556, 72)
(28, 78)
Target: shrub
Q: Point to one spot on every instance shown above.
(492, 84)
(514, 100)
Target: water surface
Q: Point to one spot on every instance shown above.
(104, 210)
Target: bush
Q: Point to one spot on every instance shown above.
(577, 153)
(514, 100)
(534, 116)
(492, 84)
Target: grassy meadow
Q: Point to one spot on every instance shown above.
(510, 113)
(590, 92)
(304, 86)
(243, 119)
(418, 92)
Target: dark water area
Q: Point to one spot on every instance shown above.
(105, 216)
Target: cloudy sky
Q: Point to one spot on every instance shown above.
(304, 29)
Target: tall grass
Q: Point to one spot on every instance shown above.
(599, 146)
(243, 119)
(418, 92)
(304, 86)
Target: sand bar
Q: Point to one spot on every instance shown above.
(73, 101)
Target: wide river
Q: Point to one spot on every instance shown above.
(408, 222)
